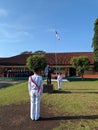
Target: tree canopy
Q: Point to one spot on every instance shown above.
(26, 52)
(39, 52)
(81, 64)
(95, 44)
(36, 61)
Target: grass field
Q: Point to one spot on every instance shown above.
(15, 94)
(76, 105)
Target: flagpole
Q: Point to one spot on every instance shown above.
(58, 38)
(56, 62)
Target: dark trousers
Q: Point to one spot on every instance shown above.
(49, 79)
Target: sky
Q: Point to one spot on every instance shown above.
(30, 25)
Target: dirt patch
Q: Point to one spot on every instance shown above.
(16, 117)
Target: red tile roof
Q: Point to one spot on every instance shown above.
(65, 58)
(62, 58)
(15, 60)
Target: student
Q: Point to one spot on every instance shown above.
(35, 87)
(59, 81)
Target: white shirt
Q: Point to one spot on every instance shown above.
(38, 80)
(59, 78)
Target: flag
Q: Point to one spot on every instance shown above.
(57, 35)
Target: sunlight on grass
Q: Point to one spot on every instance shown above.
(76, 99)
(14, 94)
(77, 125)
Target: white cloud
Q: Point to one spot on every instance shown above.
(3, 12)
(13, 33)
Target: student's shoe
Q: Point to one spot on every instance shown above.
(39, 119)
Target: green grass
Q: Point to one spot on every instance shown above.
(77, 101)
(77, 97)
(15, 94)
(75, 106)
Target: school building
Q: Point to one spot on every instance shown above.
(15, 66)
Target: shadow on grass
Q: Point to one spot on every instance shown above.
(89, 117)
(61, 92)
(70, 92)
(82, 89)
(4, 85)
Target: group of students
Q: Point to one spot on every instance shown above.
(35, 87)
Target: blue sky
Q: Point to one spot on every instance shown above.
(29, 25)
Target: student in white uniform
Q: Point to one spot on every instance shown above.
(35, 87)
(59, 81)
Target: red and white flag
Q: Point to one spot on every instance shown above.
(57, 35)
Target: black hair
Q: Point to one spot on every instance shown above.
(36, 69)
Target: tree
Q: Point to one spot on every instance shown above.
(39, 52)
(36, 61)
(26, 52)
(95, 45)
(81, 64)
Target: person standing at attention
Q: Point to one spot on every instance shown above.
(35, 87)
(48, 71)
(59, 81)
